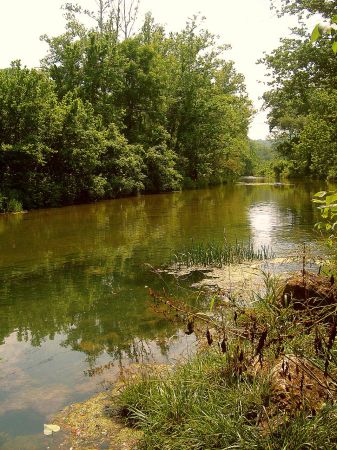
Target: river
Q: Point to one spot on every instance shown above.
(73, 287)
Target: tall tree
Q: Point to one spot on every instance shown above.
(302, 75)
(118, 17)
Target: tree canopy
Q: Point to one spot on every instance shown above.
(115, 112)
(301, 99)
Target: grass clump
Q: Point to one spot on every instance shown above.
(220, 254)
(265, 378)
(195, 407)
(201, 406)
(10, 205)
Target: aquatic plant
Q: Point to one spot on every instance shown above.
(220, 254)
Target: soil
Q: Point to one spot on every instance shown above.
(308, 290)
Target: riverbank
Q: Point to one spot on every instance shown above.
(73, 280)
(264, 377)
(266, 380)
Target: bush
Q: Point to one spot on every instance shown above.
(10, 205)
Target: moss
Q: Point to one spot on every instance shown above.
(88, 426)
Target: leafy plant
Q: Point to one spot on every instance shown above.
(327, 202)
(326, 29)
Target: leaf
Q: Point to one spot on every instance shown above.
(331, 199)
(316, 34)
(325, 213)
(320, 194)
(49, 429)
(211, 305)
(334, 19)
(334, 46)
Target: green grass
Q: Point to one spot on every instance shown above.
(220, 254)
(214, 400)
(200, 406)
(195, 407)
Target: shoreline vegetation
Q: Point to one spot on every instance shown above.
(107, 116)
(111, 114)
(264, 375)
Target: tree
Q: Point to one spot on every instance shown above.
(117, 17)
(305, 8)
(110, 116)
(302, 76)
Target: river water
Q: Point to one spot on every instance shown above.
(73, 287)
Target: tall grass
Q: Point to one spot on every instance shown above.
(200, 406)
(220, 254)
(225, 398)
(195, 407)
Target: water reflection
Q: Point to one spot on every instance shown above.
(72, 284)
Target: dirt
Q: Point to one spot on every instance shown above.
(298, 384)
(308, 290)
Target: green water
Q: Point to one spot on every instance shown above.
(73, 287)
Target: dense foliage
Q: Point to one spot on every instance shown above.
(107, 116)
(302, 99)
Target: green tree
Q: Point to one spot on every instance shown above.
(305, 8)
(112, 115)
(302, 84)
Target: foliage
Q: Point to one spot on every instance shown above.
(302, 95)
(331, 29)
(260, 159)
(9, 205)
(108, 116)
(327, 202)
(305, 8)
(302, 104)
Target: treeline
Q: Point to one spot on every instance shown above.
(302, 98)
(107, 116)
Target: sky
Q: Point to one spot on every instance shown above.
(248, 25)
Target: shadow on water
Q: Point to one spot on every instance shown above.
(73, 285)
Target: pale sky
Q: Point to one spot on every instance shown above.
(248, 25)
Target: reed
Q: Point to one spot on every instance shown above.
(220, 254)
